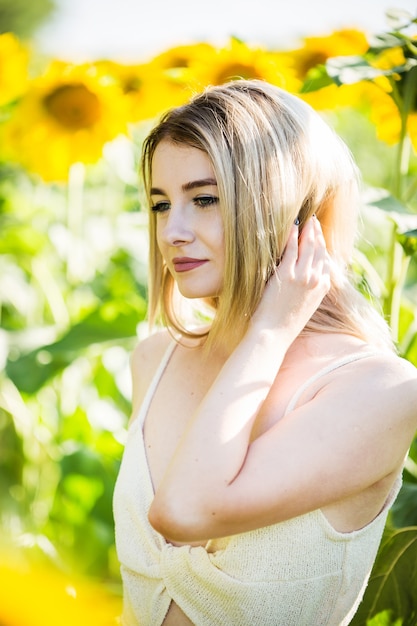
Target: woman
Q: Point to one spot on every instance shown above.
(270, 420)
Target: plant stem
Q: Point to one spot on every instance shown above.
(397, 274)
(404, 146)
(75, 193)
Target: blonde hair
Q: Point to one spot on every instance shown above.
(274, 159)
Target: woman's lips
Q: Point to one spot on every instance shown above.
(184, 264)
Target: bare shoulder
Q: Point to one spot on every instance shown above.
(399, 377)
(390, 373)
(144, 363)
(387, 385)
(150, 350)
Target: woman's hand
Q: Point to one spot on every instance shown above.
(299, 284)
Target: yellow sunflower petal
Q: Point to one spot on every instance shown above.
(148, 89)
(14, 59)
(333, 97)
(389, 58)
(384, 114)
(412, 129)
(51, 598)
(187, 62)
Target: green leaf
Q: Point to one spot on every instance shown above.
(84, 490)
(388, 203)
(410, 352)
(384, 619)
(23, 18)
(398, 212)
(413, 449)
(393, 582)
(404, 510)
(408, 240)
(385, 41)
(316, 78)
(347, 70)
(113, 320)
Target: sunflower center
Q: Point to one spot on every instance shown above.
(178, 61)
(236, 70)
(73, 106)
(312, 60)
(132, 84)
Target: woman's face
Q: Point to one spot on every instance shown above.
(190, 233)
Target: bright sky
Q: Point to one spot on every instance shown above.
(135, 30)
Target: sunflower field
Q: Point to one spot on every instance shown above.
(73, 299)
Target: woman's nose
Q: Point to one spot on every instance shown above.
(176, 228)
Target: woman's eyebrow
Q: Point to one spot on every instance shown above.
(193, 184)
(204, 182)
(154, 191)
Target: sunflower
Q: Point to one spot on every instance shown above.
(148, 89)
(315, 52)
(188, 64)
(14, 60)
(52, 598)
(65, 117)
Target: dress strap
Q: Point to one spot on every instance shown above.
(326, 370)
(154, 383)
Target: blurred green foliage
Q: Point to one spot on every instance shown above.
(24, 17)
(68, 325)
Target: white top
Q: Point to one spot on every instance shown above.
(296, 573)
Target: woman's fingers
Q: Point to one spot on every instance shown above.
(320, 261)
(307, 249)
(290, 256)
(300, 283)
(305, 258)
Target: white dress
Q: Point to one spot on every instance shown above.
(295, 573)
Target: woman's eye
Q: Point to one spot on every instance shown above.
(160, 207)
(204, 201)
